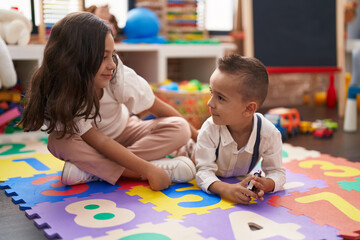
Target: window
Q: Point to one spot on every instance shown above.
(219, 15)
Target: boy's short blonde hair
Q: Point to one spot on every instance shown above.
(252, 75)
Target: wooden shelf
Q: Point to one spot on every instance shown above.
(148, 60)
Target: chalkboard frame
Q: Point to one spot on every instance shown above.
(339, 69)
(337, 35)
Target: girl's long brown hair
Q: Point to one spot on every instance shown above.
(62, 89)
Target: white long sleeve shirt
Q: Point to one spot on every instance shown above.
(230, 161)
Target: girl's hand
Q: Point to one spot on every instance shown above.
(158, 179)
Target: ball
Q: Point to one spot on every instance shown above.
(141, 23)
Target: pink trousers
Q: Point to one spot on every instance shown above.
(150, 140)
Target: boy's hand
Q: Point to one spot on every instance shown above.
(237, 193)
(262, 185)
(158, 179)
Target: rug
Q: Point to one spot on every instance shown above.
(320, 200)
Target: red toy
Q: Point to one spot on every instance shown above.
(323, 133)
(331, 93)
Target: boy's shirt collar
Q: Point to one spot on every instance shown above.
(227, 139)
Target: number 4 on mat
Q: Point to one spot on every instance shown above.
(241, 222)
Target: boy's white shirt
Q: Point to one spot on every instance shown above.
(129, 94)
(233, 162)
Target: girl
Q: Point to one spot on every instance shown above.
(84, 95)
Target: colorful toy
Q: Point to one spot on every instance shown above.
(320, 128)
(183, 20)
(320, 98)
(331, 93)
(290, 119)
(189, 88)
(205, 88)
(196, 83)
(13, 126)
(9, 115)
(4, 106)
(323, 133)
(172, 86)
(331, 124)
(318, 124)
(325, 123)
(185, 86)
(306, 127)
(10, 96)
(188, 97)
(276, 120)
(142, 26)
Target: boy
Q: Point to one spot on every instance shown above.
(235, 137)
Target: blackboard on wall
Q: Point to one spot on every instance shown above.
(293, 33)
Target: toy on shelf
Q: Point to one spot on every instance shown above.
(196, 41)
(171, 87)
(15, 27)
(185, 86)
(9, 115)
(290, 119)
(320, 98)
(48, 18)
(10, 109)
(10, 96)
(190, 98)
(182, 21)
(142, 26)
(9, 99)
(12, 126)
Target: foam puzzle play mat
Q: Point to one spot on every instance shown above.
(321, 200)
